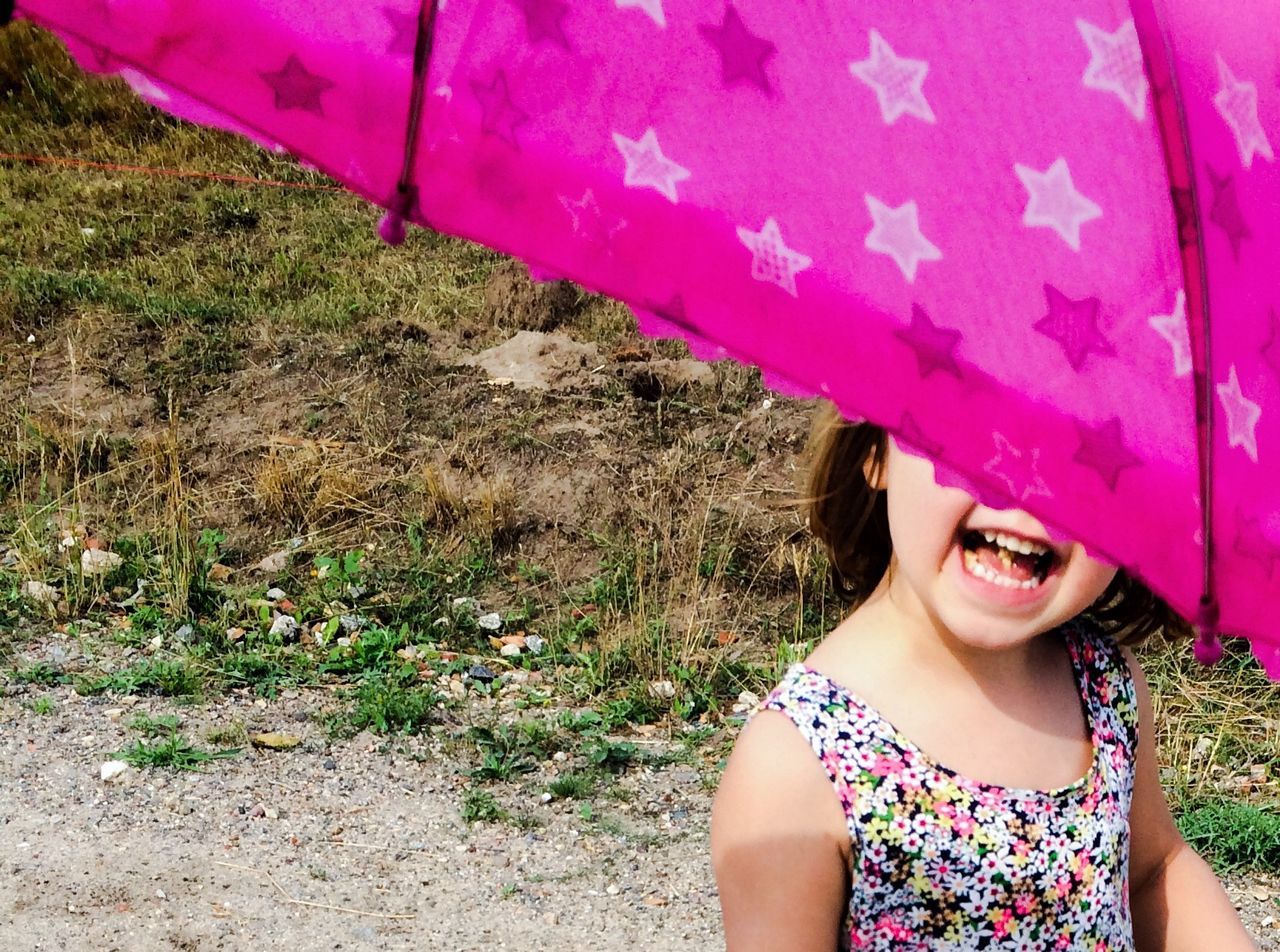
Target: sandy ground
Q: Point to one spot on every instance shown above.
(341, 845)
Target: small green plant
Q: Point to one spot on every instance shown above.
(1232, 836)
(576, 785)
(610, 755)
(387, 705)
(39, 673)
(510, 749)
(266, 672)
(170, 678)
(480, 806)
(228, 735)
(43, 705)
(150, 726)
(175, 752)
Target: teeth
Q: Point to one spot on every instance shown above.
(1014, 544)
(975, 567)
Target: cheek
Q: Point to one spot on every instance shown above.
(1092, 579)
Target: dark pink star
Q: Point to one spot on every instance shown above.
(1252, 543)
(500, 116)
(1271, 349)
(296, 87)
(911, 434)
(1103, 450)
(1225, 210)
(742, 54)
(544, 20)
(1074, 325)
(934, 346)
(404, 31)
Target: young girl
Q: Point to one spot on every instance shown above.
(967, 761)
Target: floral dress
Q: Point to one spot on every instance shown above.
(940, 861)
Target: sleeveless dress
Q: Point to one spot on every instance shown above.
(940, 861)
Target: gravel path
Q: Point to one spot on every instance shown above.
(340, 845)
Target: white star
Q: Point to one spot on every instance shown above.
(1055, 203)
(896, 81)
(647, 167)
(1115, 64)
(1020, 471)
(1173, 328)
(896, 233)
(651, 7)
(771, 259)
(590, 221)
(1237, 103)
(1242, 415)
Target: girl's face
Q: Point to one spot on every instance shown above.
(990, 577)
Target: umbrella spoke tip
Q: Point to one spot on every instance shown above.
(391, 229)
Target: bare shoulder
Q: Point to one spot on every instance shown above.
(772, 767)
(779, 843)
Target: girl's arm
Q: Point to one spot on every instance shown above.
(1177, 901)
(779, 844)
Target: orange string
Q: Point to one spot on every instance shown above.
(156, 170)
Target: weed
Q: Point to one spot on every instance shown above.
(481, 806)
(1232, 836)
(610, 755)
(169, 678)
(41, 672)
(576, 785)
(266, 673)
(385, 705)
(176, 752)
(230, 735)
(150, 726)
(43, 705)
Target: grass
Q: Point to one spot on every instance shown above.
(171, 678)
(387, 706)
(1232, 836)
(175, 752)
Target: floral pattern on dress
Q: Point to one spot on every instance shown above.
(941, 861)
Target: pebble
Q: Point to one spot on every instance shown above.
(284, 625)
(99, 561)
(330, 764)
(276, 594)
(491, 621)
(509, 651)
(112, 771)
(481, 673)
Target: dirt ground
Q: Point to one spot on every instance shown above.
(344, 845)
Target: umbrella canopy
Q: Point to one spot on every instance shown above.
(1040, 245)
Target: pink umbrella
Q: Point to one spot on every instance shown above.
(999, 229)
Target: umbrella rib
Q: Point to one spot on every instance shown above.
(1171, 120)
(421, 63)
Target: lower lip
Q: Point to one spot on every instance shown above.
(992, 594)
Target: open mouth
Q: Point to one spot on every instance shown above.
(1006, 560)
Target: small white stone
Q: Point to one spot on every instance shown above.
(99, 561)
(284, 625)
(112, 770)
(490, 622)
(275, 594)
(612, 889)
(534, 644)
(40, 592)
(31, 338)
(88, 232)
(509, 651)
(662, 689)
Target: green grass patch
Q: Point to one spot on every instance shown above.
(175, 752)
(387, 705)
(575, 785)
(173, 678)
(41, 672)
(481, 806)
(1233, 836)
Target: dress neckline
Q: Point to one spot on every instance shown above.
(925, 761)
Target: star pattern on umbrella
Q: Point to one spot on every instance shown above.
(771, 260)
(651, 7)
(647, 167)
(1237, 103)
(1242, 415)
(1074, 325)
(1225, 211)
(911, 434)
(934, 346)
(1271, 349)
(591, 222)
(1103, 450)
(743, 55)
(1017, 469)
(1115, 65)
(404, 31)
(1173, 328)
(544, 21)
(1254, 544)
(898, 82)
(1053, 201)
(500, 116)
(896, 232)
(296, 87)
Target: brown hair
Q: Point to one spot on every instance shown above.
(849, 516)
